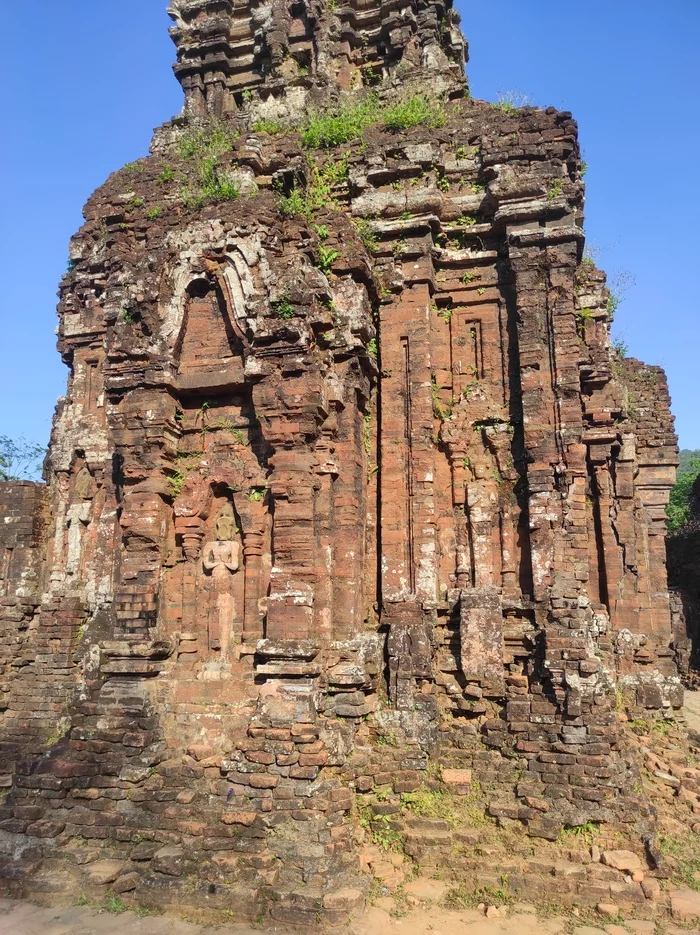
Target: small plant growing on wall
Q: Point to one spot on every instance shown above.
(326, 258)
(283, 308)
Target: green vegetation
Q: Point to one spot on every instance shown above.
(686, 859)
(268, 126)
(384, 834)
(256, 494)
(20, 459)
(458, 811)
(620, 347)
(583, 316)
(204, 147)
(618, 285)
(223, 423)
(176, 482)
(439, 411)
(510, 102)
(154, 213)
(188, 462)
(329, 129)
(322, 180)
(210, 141)
(326, 258)
(283, 308)
(412, 112)
(678, 510)
(586, 831)
(442, 182)
(460, 897)
(166, 175)
(214, 186)
(556, 189)
(295, 204)
(114, 904)
(126, 316)
(366, 235)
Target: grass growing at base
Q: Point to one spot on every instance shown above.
(458, 811)
(114, 904)
(459, 897)
(685, 852)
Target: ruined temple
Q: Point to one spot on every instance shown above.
(349, 489)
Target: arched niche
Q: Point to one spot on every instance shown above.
(208, 351)
(230, 275)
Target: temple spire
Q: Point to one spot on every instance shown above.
(230, 56)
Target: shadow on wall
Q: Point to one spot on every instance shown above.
(683, 554)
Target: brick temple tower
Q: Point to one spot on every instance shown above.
(348, 484)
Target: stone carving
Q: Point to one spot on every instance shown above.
(77, 519)
(225, 523)
(84, 484)
(220, 559)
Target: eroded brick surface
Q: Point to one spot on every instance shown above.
(334, 498)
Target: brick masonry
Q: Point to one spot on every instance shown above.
(320, 481)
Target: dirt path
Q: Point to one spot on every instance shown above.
(691, 709)
(20, 918)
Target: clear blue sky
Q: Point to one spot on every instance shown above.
(85, 81)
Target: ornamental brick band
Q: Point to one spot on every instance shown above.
(348, 486)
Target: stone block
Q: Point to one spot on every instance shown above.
(685, 905)
(126, 883)
(625, 861)
(169, 860)
(104, 871)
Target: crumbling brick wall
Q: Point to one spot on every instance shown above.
(347, 462)
(37, 636)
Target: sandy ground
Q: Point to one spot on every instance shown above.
(691, 709)
(25, 919)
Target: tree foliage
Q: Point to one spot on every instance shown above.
(20, 459)
(679, 508)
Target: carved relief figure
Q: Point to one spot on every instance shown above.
(220, 559)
